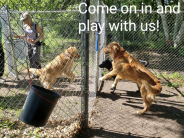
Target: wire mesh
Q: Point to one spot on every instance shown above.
(115, 114)
(60, 29)
(110, 115)
(140, 41)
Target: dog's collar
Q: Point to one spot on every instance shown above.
(119, 54)
(111, 69)
(67, 56)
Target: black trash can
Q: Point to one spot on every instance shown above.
(38, 106)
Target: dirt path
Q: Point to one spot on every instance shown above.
(115, 114)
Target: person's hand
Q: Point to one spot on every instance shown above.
(31, 41)
(16, 36)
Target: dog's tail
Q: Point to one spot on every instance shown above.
(154, 89)
(34, 71)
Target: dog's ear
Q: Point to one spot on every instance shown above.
(70, 46)
(115, 48)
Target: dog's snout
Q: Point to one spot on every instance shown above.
(77, 55)
(106, 51)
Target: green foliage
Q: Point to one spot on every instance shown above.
(12, 102)
(35, 5)
(173, 76)
(105, 71)
(138, 3)
(175, 79)
(175, 85)
(132, 45)
(6, 123)
(181, 51)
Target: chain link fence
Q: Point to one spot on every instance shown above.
(157, 39)
(165, 42)
(110, 115)
(60, 29)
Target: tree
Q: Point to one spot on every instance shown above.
(179, 27)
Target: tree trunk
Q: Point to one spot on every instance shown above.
(179, 27)
(164, 21)
(178, 39)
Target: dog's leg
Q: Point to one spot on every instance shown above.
(110, 74)
(48, 83)
(115, 84)
(71, 75)
(138, 91)
(146, 99)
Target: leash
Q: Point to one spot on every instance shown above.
(33, 89)
(29, 76)
(110, 69)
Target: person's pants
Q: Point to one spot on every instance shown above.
(34, 57)
(1, 60)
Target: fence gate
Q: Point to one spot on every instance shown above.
(59, 22)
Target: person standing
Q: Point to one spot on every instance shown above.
(32, 30)
(1, 53)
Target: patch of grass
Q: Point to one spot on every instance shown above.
(175, 79)
(18, 112)
(175, 85)
(105, 71)
(6, 123)
(12, 102)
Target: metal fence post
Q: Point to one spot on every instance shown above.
(43, 39)
(12, 44)
(97, 52)
(86, 66)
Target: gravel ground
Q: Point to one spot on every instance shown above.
(115, 114)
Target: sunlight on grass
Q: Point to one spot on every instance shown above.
(176, 79)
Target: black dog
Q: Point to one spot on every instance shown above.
(108, 65)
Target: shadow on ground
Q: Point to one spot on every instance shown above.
(115, 114)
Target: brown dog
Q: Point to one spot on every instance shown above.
(60, 65)
(126, 67)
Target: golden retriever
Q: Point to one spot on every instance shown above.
(127, 67)
(60, 65)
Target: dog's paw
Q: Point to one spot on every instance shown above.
(113, 89)
(72, 78)
(113, 85)
(101, 79)
(112, 92)
(139, 112)
(53, 88)
(25, 71)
